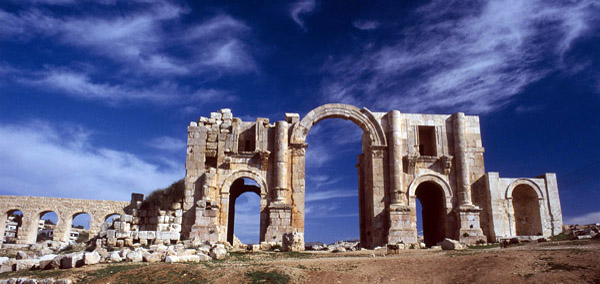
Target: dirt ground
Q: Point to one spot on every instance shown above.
(552, 262)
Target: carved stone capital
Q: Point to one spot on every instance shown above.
(298, 149)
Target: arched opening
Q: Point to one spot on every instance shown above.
(334, 201)
(527, 211)
(80, 228)
(46, 225)
(12, 229)
(109, 221)
(433, 212)
(245, 193)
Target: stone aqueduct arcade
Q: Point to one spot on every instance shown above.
(437, 159)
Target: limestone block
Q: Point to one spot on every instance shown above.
(448, 244)
(90, 258)
(121, 234)
(151, 235)
(127, 218)
(8, 265)
(26, 264)
(152, 257)
(110, 234)
(49, 261)
(134, 256)
(115, 257)
(72, 260)
(111, 242)
(293, 241)
(218, 252)
(143, 235)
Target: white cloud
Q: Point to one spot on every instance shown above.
(329, 194)
(300, 8)
(474, 58)
(585, 219)
(366, 25)
(317, 155)
(167, 143)
(141, 40)
(80, 85)
(40, 159)
(319, 211)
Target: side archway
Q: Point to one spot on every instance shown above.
(525, 208)
(438, 180)
(522, 181)
(231, 188)
(257, 177)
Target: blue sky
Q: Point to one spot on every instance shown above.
(95, 96)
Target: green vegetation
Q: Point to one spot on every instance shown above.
(83, 237)
(163, 198)
(272, 276)
(560, 237)
(564, 266)
(107, 272)
(33, 274)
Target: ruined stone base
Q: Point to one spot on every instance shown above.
(205, 228)
(470, 232)
(401, 230)
(280, 216)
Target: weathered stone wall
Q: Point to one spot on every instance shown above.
(65, 208)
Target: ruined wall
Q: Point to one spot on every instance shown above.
(65, 208)
(502, 205)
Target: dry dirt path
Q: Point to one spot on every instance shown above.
(555, 262)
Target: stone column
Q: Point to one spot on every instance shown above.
(460, 153)
(281, 146)
(395, 157)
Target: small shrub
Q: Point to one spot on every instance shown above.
(272, 276)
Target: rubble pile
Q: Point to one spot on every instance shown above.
(581, 232)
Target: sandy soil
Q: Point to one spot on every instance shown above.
(553, 262)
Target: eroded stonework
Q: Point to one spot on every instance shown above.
(437, 159)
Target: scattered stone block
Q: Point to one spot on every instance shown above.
(90, 258)
(449, 244)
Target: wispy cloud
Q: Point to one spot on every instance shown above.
(585, 219)
(167, 143)
(366, 25)
(331, 210)
(329, 194)
(148, 44)
(68, 164)
(300, 8)
(473, 56)
(80, 85)
(141, 40)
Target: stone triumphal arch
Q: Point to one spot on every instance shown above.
(436, 160)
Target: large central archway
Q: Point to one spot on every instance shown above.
(372, 193)
(362, 117)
